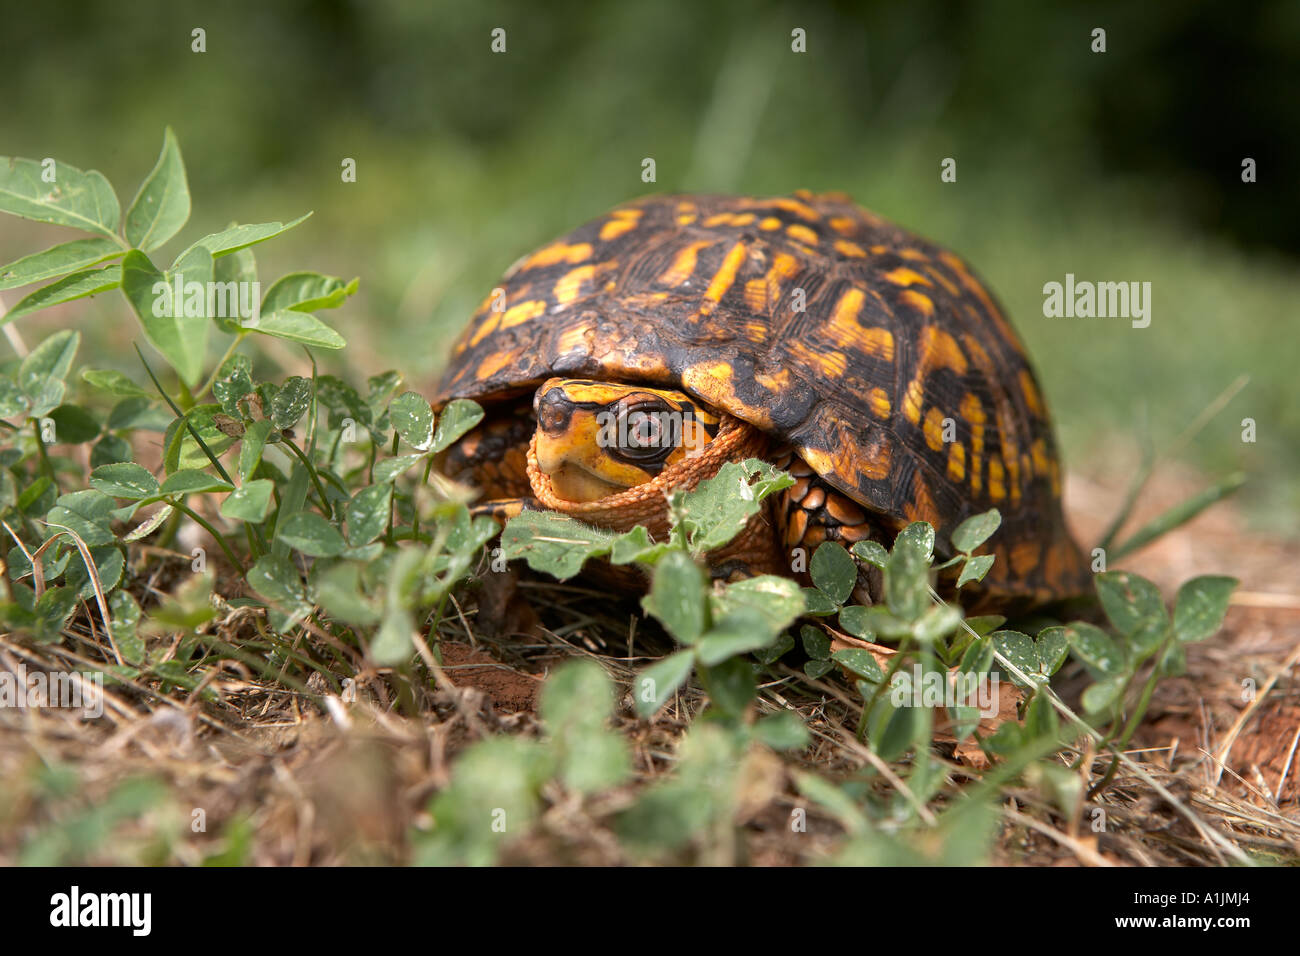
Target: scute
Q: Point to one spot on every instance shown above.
(817, 321)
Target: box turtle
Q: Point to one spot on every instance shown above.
(648, 347)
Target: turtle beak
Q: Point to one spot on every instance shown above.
(559, 454)
(569, 479)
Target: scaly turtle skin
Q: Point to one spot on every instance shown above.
(867, 361)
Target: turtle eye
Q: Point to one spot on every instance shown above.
(643, 430)
(644, 434)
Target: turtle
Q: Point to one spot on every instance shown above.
(645, 349)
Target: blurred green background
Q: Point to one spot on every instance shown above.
(1117, 166)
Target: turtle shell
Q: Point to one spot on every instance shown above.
(878, 356)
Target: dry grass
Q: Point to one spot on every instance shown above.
(317, 781)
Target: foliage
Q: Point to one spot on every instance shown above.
(329, 526)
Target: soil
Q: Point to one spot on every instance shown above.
(509, 690)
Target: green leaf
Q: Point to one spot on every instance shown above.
(1148, 637)
(578, 696)
(635, 545)
(413, 419)
(79, 285)
(126, 480)
(1200, 606)
(1103, 695)
(48, 362)
(978, 657)
(11, 399)
(731, 685)
(73, 425)
(234, 380)
(458, 417)
(1129, 600)
(974, 569)
(816, 643)
(833, 572)
(391, 468)
(575, 705)
(937, 621)
(307, 292)
(719, 507)
(82, 200)
(392, 645)
(113, 382)
(53, 562)
(1019, 650)
(861, 662)
(380, 390)
(1173, 662)
(311, 534)
(1052, 647)
(743, 630)
(778, 599)
(297, 327)
(138, 411)
(872, 552)
(291, 402)
(783, 731)
(124, 619)
(677, 596)
(180, 332)
(1095, 648)
(816, 669)
(367, 513)
(162, 206)
(874, 623)
(337, 588)
(109, 565)
(276, 579)
(552, 543)
(249, 502)
(191, 481)
(1041, 721)
(251, 446)
(893, 730)
(985, 624)
(87, 514)
(241, 237)
(860, 621)
(975, 530)
(57, 261)
(776, 650)
(817, 604)
(656, 685)
(907, 573)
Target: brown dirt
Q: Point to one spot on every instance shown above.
(509, 690)
(1194, 715)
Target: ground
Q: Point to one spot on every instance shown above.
(263, 776)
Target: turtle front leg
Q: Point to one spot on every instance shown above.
(503, 509)
(493, 458)
(812, 512)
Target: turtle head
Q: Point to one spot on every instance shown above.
(596, 439)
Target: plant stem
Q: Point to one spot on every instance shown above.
(315, 478)
(217, 535)
(212, 380)
(415, 526)
(47, 466)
